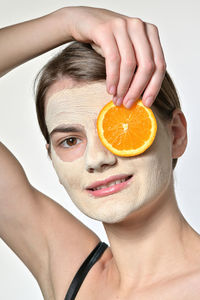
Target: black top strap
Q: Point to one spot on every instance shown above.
(84, 269)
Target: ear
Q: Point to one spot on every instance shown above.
(179, 133)
(48, 150)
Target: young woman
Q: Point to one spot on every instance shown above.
(153, 251)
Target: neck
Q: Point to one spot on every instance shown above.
(149, 243)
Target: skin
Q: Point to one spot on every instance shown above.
(126, 43)
(133, 54)
(145, 216)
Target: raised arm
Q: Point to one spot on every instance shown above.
(134, 58)
(24, 41)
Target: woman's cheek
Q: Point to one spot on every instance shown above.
(68, 171)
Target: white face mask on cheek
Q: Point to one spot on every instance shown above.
(79, 106)
(151, 169)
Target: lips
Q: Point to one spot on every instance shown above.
(110, 186)
(108, 180)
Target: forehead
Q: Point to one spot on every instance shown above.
(69, 103)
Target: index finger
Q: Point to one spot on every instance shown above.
(110, 51)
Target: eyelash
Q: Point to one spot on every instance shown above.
(65, 140)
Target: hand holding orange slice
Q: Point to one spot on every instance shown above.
(126, 132)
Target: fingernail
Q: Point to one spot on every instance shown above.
(119, 101)
(149, 101)
(129, 103)
(112, 90)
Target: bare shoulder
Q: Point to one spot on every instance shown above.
(184, 288)
(69, 242)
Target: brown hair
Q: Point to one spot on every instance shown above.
(82, 63)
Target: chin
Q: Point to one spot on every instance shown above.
(108, 215)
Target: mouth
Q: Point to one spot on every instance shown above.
(111, 187)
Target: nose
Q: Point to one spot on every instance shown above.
(98, 158)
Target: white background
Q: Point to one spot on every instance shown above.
(179, 23)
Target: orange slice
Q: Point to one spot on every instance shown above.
(126, 132)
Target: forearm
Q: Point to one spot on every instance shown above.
(24, 41)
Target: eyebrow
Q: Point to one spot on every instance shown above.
(65, 129)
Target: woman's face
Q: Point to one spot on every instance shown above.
(80, 159)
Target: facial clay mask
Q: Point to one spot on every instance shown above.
(80, 159)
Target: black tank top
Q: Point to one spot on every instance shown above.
(84, 269)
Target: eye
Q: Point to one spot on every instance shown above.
(70, 142)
